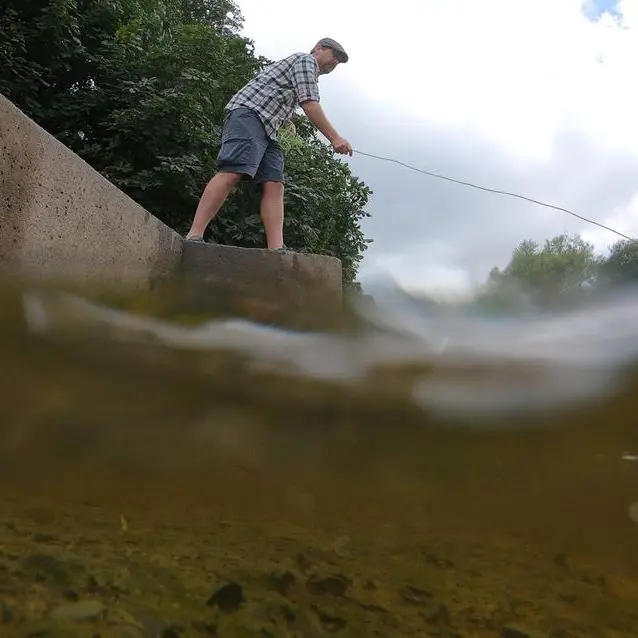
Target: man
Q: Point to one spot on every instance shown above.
(250, 149)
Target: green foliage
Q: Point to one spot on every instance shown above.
(138, 87)
(621, 266)
(562, 273)
(562, 268)
(331, 198)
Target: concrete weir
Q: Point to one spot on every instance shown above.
(60, 220)
(300, 282)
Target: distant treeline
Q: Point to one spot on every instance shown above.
(563, 272)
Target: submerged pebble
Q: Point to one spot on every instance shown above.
(81, 610)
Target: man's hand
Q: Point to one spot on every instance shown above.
(342, 146)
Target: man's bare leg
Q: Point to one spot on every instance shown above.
(215, 194)
(272, 213)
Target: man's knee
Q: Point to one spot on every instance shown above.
(272, 188)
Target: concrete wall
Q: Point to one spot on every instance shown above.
(262, 282)
(61, 219)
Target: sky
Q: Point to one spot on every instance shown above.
(535, 97)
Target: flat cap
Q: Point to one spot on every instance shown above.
(339, 51)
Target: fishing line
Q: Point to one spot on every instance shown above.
(497, 192)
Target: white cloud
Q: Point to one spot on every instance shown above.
(528, 96)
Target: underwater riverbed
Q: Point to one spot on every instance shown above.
(416, 475)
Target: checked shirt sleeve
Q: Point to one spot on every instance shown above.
(304, 79)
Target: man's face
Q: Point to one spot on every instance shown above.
(326, 59)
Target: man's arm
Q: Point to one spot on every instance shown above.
(315, 114)
(304, 80)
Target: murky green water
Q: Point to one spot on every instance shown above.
(413, 475)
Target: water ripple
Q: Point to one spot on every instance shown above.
(451, 361)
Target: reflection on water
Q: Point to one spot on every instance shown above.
(418, 473)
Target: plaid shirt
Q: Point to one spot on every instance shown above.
(275, 92)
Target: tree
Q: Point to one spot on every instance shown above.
(560, 273)
(138, 87)
(621, 265)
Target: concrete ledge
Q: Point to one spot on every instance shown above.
(233, 276)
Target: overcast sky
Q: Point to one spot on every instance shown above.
(538, 97)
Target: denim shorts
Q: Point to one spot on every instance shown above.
(246, 148)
